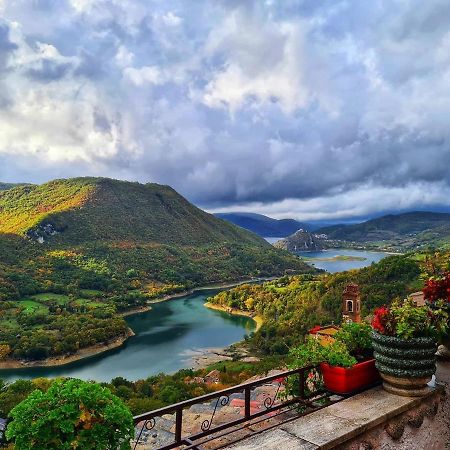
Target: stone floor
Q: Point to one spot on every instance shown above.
(373, 419)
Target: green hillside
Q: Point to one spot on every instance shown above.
(75, 253)
(83, 210)
(291, 305)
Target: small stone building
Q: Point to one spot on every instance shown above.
(351, 303)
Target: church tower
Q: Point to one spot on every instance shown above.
(351, 304)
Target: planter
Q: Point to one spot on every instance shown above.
(406, 366)
(341, 380)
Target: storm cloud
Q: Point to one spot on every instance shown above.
(299, 108)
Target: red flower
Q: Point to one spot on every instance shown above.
(437, 288)
(381, 320)
(315, 329)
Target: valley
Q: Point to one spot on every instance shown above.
(79, 254)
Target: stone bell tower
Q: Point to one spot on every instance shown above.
(351, 304)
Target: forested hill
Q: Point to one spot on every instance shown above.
(6, 186)
(114, 236)
(81, 210)
(263, 225)
(75, 253)
(404, 231)
(291, 305)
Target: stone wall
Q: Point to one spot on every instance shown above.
(426, 427)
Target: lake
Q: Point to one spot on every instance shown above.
(337, 265)
(334, 266)
(166, 337)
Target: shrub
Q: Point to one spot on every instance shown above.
(356, 337)
(312, 352)
(406, 320)
(72, 414)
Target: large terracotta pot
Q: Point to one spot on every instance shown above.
(341, 380)
(406, 366)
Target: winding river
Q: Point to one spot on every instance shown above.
(173, 331)
(166, 338)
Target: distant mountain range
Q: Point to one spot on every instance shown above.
(400, 231)
(397, 232)
(263, 225)
(6, 186)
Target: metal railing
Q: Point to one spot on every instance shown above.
(308, 396)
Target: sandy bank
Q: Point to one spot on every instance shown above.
(62, 360)
(237, 312)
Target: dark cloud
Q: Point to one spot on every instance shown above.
(48, 71)
(304, 108)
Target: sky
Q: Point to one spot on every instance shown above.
(295, 108)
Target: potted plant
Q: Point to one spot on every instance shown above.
(404, 342)
(346, 360)
(437, 295)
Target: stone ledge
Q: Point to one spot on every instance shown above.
(344, 421)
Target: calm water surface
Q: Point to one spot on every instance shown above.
(340, 266)
(166, 338)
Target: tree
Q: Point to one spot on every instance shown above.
(72, 414)
(5, 350)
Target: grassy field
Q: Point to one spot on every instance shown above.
(60, 299)
(88, 303)
(39, 303)
(32, 307)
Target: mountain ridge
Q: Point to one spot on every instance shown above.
(89, 209)
(263, 225)
(405, 230)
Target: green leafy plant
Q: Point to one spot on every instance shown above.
(356, 337)
(72, 414)
(312, 352)
(406, 320)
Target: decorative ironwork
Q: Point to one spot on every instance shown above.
(148, 425)
(306, 400)
(223, 401)
(269, 401)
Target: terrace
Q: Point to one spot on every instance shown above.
(254, 415)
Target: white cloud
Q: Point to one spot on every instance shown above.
(172, 20)
(147, 74)
(124, 57)
(294, 108)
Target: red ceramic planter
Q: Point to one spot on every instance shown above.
(341, 380)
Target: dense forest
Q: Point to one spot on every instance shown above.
(291, 305)
(76, 253)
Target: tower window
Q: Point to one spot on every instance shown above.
(349, 306)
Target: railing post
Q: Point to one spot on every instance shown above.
(247, 402)
(301, 376)
(178, 424)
